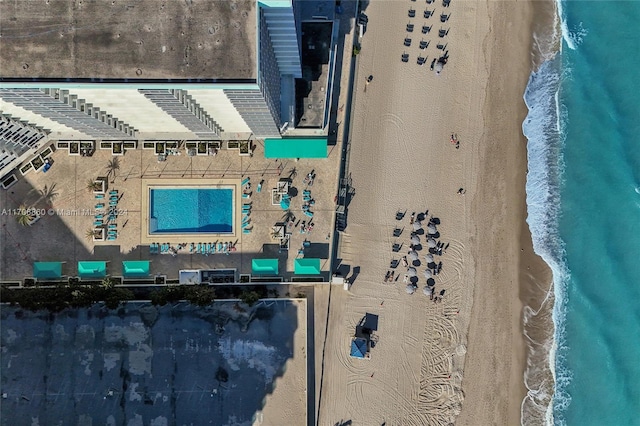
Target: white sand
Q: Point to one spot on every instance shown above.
(420, 372)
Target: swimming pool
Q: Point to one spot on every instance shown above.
(190, 210)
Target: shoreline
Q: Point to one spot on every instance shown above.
(528, 270)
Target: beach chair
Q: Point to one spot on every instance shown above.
(112, 217)
(99, 196)
(308, 213)
(111, 238)
(306, 243)
(113, 192)
(151, 248)
(113, 226)
(98, 223)
(246, 230)
(245, 181)
(259, 187)
(244, 195)
(213, 248)
(113, 203)
(191, 246)
(99, 206)
(305, 207)
(99, 216)
(219, 247)
(306, 192)
(199, 247)
(113, 198)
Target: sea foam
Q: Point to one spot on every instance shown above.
(544, 324)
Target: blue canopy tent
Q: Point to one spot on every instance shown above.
(135, 268)
(264, 266)
(307, 266)
(359, 347)
(92, 269)
(47, 270)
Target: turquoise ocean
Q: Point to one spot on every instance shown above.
(583, 197)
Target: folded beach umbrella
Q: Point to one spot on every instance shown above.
(415, 239)
(428, 273)
(428, 291)
(417, 225)
(411, 272)
(428, 257)
(432, 228)
(431, 242)
(413, 255)
(411, 289)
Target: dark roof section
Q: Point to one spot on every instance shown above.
(133, 39)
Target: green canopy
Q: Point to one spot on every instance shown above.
(307, 266)
(264, 266)
(47, 270)
(295, 148)
(135, 268)
(89, 269)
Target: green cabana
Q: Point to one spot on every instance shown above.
(264, 266)
(295, 148)
(90, 269)
(307, 266)
(135, 268)
(47, 270)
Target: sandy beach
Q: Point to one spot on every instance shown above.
(461, 360)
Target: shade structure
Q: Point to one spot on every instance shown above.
(428, 257)
(307, 266)
(285, 203)
(410, 289)
(415, 239)
(432, 228)
(92, 269)
(427, 290)
(428, 273)
(135, 268)
(264, 266)
(358, 347)
(47, 270)
(417, 225)
(431, 242)
(411, 272)
(295, 148)
(413, 255)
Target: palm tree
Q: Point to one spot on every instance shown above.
(112, 167)
(23, 216)
(47, 194)
(89, 234)
(288, 216)
(93, 185)
(293, 172)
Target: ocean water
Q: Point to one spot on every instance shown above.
(583, 196)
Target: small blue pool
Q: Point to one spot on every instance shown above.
(191, 210)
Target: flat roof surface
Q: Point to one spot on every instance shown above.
(133, 39)
(146, 365)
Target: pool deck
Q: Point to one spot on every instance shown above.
(60, 236)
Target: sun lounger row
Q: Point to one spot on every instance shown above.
(246, 212)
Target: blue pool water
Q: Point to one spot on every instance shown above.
(191, 210)
(583, 193)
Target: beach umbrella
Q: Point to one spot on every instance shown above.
(413, 255)
(432, 228)
(285, 203)
(428, 273)
(428, 291)
(417, 225)
(411, 289)
(431, 282)
(411, 272)
(415, 239)
(431, 242)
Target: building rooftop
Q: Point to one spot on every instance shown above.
(133, 39)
